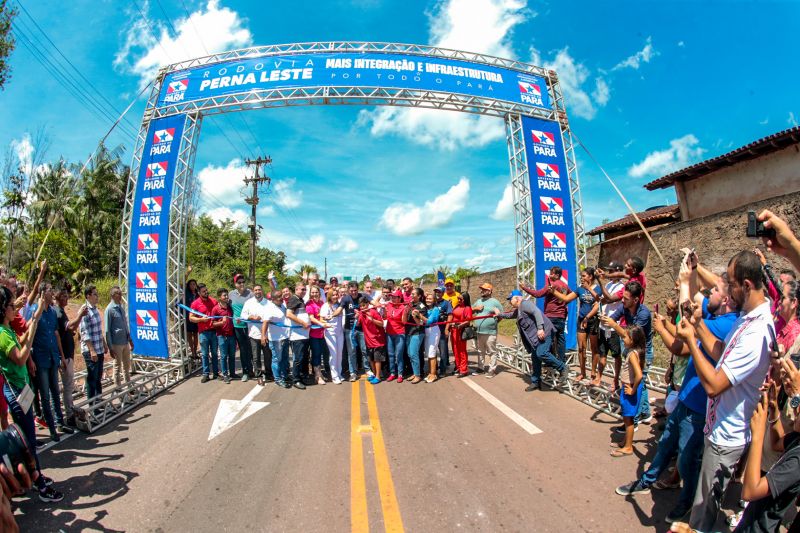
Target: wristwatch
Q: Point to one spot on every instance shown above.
(794, 402)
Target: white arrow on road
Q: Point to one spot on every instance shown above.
(231, 412)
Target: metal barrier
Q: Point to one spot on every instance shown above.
(150, 378)
(599, 397)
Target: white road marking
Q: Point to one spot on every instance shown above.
(503, 408)
(231, 412)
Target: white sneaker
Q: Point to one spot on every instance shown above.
(370, 374)
(337, 381)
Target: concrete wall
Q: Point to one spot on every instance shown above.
(716, 238)
(742, 184)
(503, 280)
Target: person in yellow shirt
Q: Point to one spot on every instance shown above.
(450, 293)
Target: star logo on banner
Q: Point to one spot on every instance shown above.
(555, 243)
(147, 242)
(552, 205)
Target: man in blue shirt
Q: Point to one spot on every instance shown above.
(47, 358)
(683, 434)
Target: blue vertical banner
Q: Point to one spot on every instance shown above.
(553, 227)
(147, 260)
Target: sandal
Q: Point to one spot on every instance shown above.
(415, 380)
(620, 453)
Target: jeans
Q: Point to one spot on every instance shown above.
(414, 343)
(227, 354)
(559, 338)
(47, 383)
(444, 352)
(317, 349)
(359, 335)
(280, 359)
(644, 401)
(299, 355)
(245, 356)
(94, 375)
(25, 421)
(682, 436)
(260, 353)
(353, 345)
(208, 348)
(544, 355)
(395, 345)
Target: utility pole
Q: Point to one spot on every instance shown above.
(255, 181)
(326, 272)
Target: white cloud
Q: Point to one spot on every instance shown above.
(477, 261)
(792, 120)
(681, 44)
(292, 266)
(681, 153)
(225, 182)
(408, 219)
(505, 207)
(285, 195)
(23, 150)
(219, 214)
(573, 76)
(309, 246)
(642, 56)
(482, 26)
(143, 54)
(421, 246)
(433, 127)
(343, 244)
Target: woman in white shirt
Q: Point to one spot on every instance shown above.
(332, 313)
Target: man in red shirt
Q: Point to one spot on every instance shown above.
(225, 334)
(634, 271)
(205, 329)
(374, 337)
(554, 308)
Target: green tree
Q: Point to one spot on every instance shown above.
(7, 41)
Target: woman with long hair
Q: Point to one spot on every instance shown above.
(333, 314)
(415, 316)
(459, 319)
(395, 335)
(316, 336)
(13, 364)
(190, 294)
(432, 337)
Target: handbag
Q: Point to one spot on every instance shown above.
(468, 333)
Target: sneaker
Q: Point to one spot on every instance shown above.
(734, 519)
(54, 437)
(374, 380)
(399, 379)
(215, 376)
(234, 376)
(245, 378)
(462, 374)
(677, 514)
(227, 380)
(204, 379)
(352, 377)
(49, 494)
(299, 385)
(563, 378)
(477, 371)
(65, 429)
(633, 488)
(646, 420)
(46, 480)
(278, 383)
(391, 377)
(370, 374)
(40, 422)
(490, 374)
(621, 428)
(286, 385)
(337, 381)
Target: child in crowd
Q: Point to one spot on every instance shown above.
(631, 377)
(374, 337)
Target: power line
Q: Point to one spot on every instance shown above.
(75, 69)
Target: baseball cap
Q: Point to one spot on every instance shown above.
(613, 265)
(437, 288)
(398, 293)
(487, 286)
(515, 292)
(449, 280)
(237, 277)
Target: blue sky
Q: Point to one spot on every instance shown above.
(650, 87)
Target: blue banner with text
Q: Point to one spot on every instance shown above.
(553, 228)
(147, 260)
(350, 69)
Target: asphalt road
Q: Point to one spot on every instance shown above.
(391, 457)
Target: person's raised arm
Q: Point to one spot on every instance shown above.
(536, 293)
(39, 278)
(714, 382)
(673, 344)
(608, 298)
(754, 485)
(785, 242)
(566, 298)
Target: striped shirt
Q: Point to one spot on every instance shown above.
(91, 330)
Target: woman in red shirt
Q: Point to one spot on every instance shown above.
(316, 336)
(395, 335)
(460, 312)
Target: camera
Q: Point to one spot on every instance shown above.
(756, 228)
(14, 450)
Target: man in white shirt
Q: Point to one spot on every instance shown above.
(254, 310)
(743, 361)
(274, 331)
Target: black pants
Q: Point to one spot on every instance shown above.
(245, 355)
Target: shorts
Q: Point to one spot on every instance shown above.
(592, 326)
(377, 355)
(608, 345)
(630, 404)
